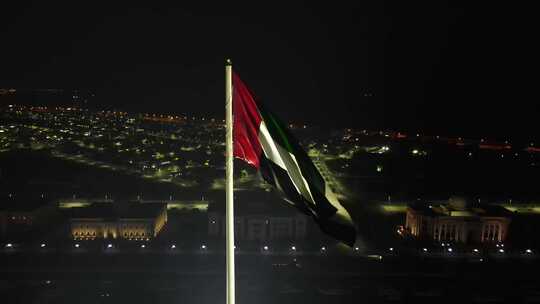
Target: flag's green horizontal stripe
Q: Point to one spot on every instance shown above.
(277, 130)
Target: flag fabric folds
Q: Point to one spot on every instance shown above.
(264, 142)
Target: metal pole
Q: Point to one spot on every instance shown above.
(229, 214)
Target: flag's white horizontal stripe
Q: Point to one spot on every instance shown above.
(269, 146)
(304, 185)
(284, 159)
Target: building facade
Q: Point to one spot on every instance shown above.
(459, 222)
(259, 221)
(130, 221)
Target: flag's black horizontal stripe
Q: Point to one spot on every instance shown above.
(344, 233)
(279, 178)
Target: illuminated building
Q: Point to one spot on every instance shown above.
(458, 221)
(258, 221)
(130, 221)
(19, 216)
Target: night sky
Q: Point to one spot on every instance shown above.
(439, 67)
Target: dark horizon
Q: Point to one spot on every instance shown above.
(439, 68)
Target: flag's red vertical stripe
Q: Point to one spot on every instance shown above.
(246, 124)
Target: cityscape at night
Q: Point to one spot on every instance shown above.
(135, 164)
(372, 152)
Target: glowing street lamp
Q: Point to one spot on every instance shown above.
(501, 250)
(391, 249)
(450, 249)
(323, 248)
(475, 250)
(265, 248)
(173, 246)
(529, 251)
(42, 245)
(109, 246)
(9, 245)
(77, 245)
(203, 246)
(424, 249)
(143, 246)
(293, 248)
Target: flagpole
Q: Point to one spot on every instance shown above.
(229, 213)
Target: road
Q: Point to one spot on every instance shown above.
(131, 278)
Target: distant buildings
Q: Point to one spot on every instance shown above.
(458, 221)
(129, 221)
(258, 221)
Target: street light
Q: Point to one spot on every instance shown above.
(323, 248)
(501, 250)
(475, 250)
(109, 246)
(77, 245)
(391, 248)
(424, 249)
(173, 246)
(9, 245)
(450, 249)
(265, 248)
(529, 251)
(143, 246)
(42, 245)
(293, 248)
(203, 246)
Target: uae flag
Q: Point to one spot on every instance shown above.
(264, 142)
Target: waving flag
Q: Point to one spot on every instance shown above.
(263, 141)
